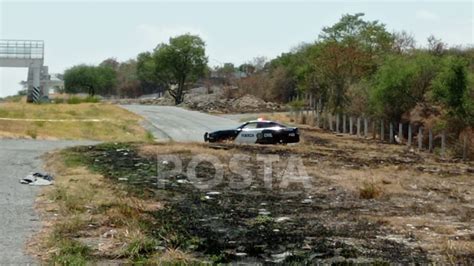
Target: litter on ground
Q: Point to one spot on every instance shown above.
(37, 179)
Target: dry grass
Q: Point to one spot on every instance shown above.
(172, 257)
(66, 121)
(436, 208)
(182, 149)
(370, 190)
(88, 213)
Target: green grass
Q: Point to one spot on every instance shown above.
(71, 252)
(149, 136)
(139, 248)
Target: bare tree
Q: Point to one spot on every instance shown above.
(436, 46)
(404, 42)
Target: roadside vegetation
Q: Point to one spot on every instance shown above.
(363, 206)
(76, 118)
(355, 66)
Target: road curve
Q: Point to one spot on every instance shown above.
(178, 124)
(18, 219)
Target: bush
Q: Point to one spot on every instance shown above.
(32, 133)
(88, 99)
(74, 100)
(370, 190)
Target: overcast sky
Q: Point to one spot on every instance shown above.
(89, 32)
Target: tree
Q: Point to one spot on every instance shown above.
(180, 62)
(247, 68)
(259, 62)
(436, 46)
(146, 73)
(403, 42)
(90, 79)
(400, 83)
(350, 29)
(128, 83)
(450, 87)
(348, 51)
(110, 62)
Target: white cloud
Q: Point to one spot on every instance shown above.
(152, 35)
(426, 15)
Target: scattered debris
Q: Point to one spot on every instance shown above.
(37, 179)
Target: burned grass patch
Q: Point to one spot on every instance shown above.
(254, 224)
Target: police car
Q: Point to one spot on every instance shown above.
(257, 131)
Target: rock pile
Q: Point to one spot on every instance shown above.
(213, 103)
(216, 103)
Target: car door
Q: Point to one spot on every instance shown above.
(248, 133)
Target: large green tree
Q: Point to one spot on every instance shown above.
(401, 83)
(180, 62)
(348, 51)
(90, 79)
(451, 88)
(146, 73)
(128, 84)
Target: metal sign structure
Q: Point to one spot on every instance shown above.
(29, 54)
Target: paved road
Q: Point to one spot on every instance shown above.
(17, 216)
(174, 123)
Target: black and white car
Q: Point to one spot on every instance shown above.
(257, 131)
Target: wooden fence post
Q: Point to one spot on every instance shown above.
(344, 129)
(430, 140)
(315, 108)
(351, 123)
(320, 113)
(409, 135)
(391, 133)
(464, 148)
(443, 144)
(330, 121)
(291, 107)
(366, 127)
(382, 131)
(374, 133)
(400, 132)
(358, 126)
(318, 118)
(420, 138)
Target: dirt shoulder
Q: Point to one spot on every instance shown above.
(365, 202)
